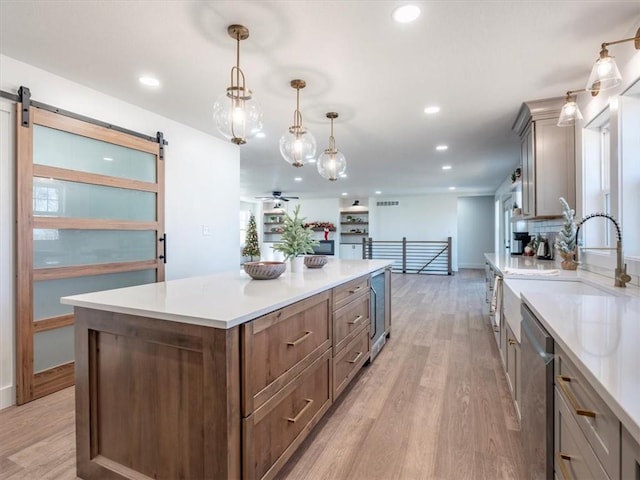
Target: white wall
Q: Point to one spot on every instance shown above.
(428, 217)
(475, 230)
(7, 255)
(202, 185)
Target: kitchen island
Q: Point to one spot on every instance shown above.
(218, 376)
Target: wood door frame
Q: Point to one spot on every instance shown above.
(29, 384)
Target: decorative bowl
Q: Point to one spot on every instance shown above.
(264, 270)
(315, 261)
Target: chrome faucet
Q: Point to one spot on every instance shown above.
(621, 277)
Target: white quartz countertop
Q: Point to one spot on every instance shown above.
(601, 335)
(227, 299)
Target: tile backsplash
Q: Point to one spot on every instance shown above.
(550, 229)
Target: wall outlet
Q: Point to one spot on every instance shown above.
(206, 230)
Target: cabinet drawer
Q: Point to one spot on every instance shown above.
(596, 421)
(573, 458)
(349, 361)
(278, 346)
(273, 432)
(348, 320)
(350, 290)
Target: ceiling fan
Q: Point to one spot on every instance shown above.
(277, 196)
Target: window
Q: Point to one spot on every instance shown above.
(605, 176)
(597, 180)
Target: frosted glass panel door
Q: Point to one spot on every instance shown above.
(90, 217)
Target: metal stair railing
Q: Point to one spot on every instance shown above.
(411, 256)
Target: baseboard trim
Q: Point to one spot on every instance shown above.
(471, 265)
(7, 396)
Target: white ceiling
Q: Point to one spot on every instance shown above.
(477, 60)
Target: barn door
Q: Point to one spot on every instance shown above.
(90, 216)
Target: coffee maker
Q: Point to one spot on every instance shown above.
(520, 240)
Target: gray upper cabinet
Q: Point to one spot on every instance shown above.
(548, 158)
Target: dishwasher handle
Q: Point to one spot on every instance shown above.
(526, 327)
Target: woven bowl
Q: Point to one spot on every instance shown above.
(264, 270)
(315, 261)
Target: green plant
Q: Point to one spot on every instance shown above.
(566, 240)
(251, 247)
(296, 239)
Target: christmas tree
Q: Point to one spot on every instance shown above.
(251, 247)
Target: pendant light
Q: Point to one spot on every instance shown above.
(332, 163)
(298, 144)
(236, 113)
(605, 73)
(570, 111)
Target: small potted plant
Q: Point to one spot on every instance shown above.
(296, 240)
(566, 239)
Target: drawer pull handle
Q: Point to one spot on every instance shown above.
(301, 412)
(560, 458)
(357, 358)
(306, 335)
(563, 383)
(512, 341)
(355, 320)
(356, 289)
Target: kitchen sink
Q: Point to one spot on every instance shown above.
(555, 286)
(513, 286)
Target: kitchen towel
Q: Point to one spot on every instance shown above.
(528, 271)
(496, 300)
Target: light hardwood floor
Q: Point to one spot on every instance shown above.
(433, 405)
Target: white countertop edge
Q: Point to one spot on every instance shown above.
(632, 425)
(225, 324)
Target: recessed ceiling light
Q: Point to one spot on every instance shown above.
(311, 160)
(107, 159)
(442, 148)
(452, 188)
(149, 81)
(406, 13)
(261, 135)
(432, 109)
(446, 167)
(343, 175)
(344, 194)
(378, 192)
(298, 179)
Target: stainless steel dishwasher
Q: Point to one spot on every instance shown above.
(536, 371)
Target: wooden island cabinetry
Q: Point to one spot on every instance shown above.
(351, 341)
(187, 398)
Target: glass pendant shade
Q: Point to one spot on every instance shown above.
(236, 114)
(604, 74)
(332, 164)
(298, 146)
(570, 113)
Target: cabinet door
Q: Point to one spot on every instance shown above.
(572, 456)
(274, 431)
(512, 361)
(630, 457)
(278, 346)
(554, 167)
(528, 171)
